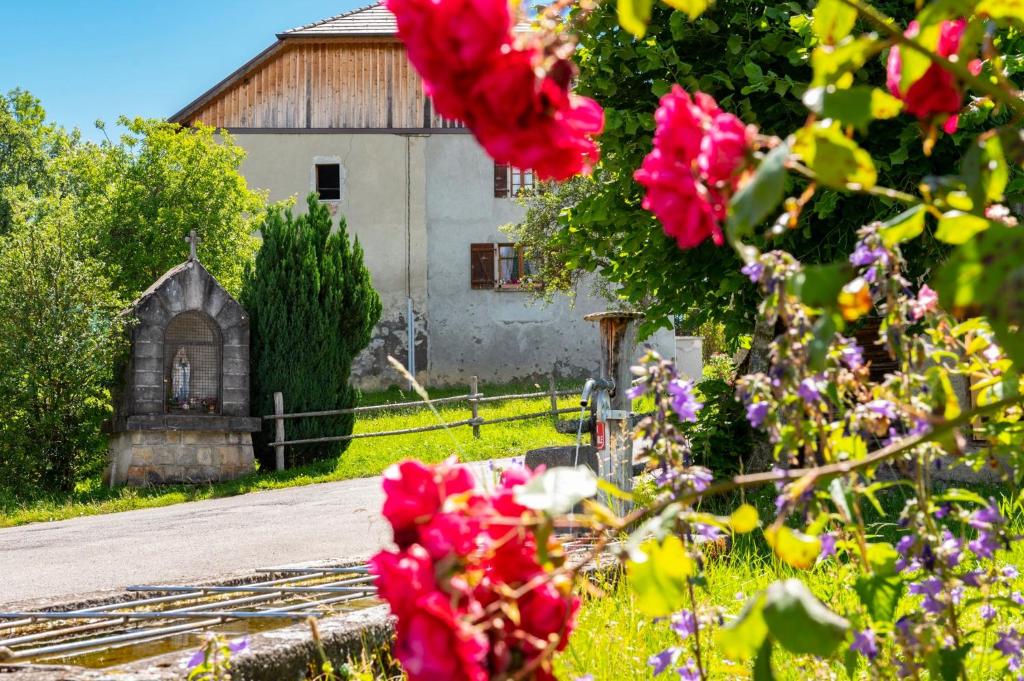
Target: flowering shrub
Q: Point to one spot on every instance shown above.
(469, 583)
(476, 573)
(513, 93)
(699, 153)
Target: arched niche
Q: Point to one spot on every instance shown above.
(193, 364)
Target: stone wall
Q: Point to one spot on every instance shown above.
(155, 457)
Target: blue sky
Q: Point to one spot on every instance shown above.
(90, 59)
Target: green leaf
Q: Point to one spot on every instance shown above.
(741, 638)
(1001, 9)
(913, 63)
(882, 558)
(759, 196)
(634, 15)
(836, 160)
(856, 106)
(819, 285)
(880, 595)
(692, 8)
(557, 490)
(951, 662)
(835, 65)
(906, 226)
(985, 277)
(833, 21)
(796, 549)
(957, 227)
(984, 171)
(839, 491)
(659, 574)
(744, 519)
(961, 496)
(763, 663)
(800, 622)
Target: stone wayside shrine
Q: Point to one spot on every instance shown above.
(181, 413)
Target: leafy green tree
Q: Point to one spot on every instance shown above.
(312, 309)
(27, 145)
(58, 339)
(754, 61)
(140, 197)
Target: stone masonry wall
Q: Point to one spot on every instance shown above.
(154, 457)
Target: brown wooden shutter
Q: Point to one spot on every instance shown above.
(481, 265)
(500, 180)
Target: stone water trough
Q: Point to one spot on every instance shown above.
(281, 647)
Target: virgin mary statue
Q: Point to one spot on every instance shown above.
(181, 370)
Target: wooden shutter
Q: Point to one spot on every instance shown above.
(481, 265)
(500, 180)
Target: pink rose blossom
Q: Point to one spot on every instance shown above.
(414, 493)
(935, 95)
(432, 643)
(515, 100)
(463, 555)
(694, 167)
(927, 301)
(403, 577)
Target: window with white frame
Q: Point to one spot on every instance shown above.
(500, 266)
(509, 181)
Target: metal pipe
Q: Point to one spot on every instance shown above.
(155, 615)
(361, 569)
(247, 600)
(288, 612)
(260, 589)
(203, 613)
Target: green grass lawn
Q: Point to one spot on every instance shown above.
(365, 457)
(613, 639)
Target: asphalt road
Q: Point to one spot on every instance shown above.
(189, 542)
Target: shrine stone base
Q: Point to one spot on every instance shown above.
(146, 454)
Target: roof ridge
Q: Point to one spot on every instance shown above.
(350, 12)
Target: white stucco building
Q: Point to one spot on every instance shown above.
(335, 107)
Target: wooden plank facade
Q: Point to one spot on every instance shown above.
(320, 84)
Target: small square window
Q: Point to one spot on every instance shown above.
(328, 181)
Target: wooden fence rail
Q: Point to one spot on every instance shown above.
(473, 400)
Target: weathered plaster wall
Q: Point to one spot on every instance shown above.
(448, 204)
(381, 207)
(496, 335)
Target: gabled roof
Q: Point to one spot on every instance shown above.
(371, 20)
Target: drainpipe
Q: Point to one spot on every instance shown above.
(410, 320)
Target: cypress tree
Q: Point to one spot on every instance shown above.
(312, 308)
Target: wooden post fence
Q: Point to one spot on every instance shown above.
(474, 404)
(279, 430)
(553, 389)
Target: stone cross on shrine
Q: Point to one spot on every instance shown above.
(193, 241)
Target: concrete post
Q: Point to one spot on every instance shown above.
(618, 347)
